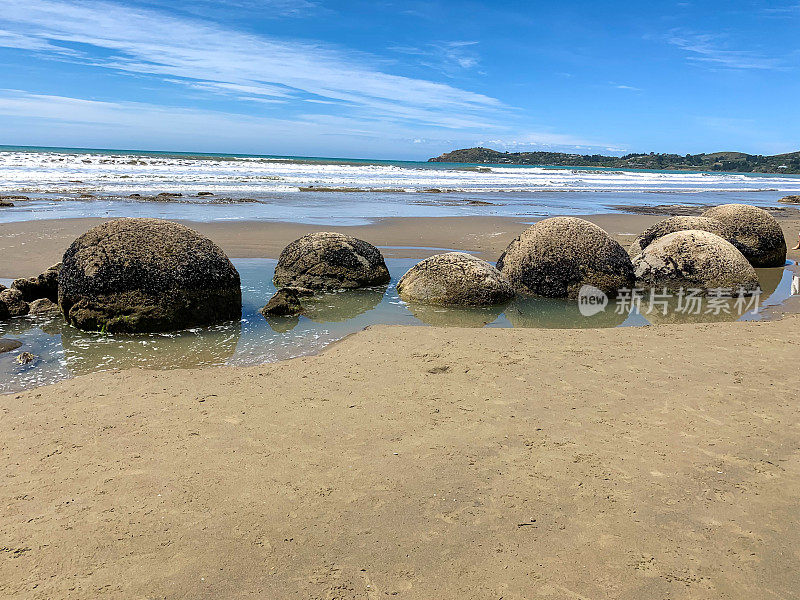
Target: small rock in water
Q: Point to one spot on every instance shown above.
(14, 302)
(205, 193)
(25, 358)
(7, 345)
(42, 306)
(790, 200)
(5, 204)
(285, 303)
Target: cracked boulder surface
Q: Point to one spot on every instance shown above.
(756, 233)
(456, 279)
(327, 261)
(695, 260)
(680, 223)
(557, 256)
(146, 275)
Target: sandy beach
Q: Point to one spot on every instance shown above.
(418, 463)
(658, 462)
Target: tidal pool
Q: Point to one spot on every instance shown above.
(62, 351)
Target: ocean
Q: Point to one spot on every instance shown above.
(71, 182)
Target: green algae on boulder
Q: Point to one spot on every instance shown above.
(146, 275)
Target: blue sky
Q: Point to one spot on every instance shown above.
(401, 79)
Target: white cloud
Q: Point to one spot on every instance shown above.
(706, 49)
(26, 116)
(337, 93)
(204, 54)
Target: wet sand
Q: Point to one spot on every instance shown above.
(30, 247)
(648, 463)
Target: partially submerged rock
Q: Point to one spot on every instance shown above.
(25, 358)
(42, 306)
(790, 200)
(44, 285)
(328, 260)
(7, 345)
(557, 256)
(144, 275)
(673, 224)
(285, 302)
(456, 279)
(14, 302)
(696, 260)
(756, 233)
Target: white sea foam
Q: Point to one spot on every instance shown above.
(118, 174)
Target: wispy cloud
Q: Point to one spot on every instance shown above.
(710, 50)
(446, 57)
(207, 56)
(176, 128)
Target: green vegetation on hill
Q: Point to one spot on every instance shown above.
(717, 161)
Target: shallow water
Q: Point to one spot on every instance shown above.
(312, 190)
(63, 351)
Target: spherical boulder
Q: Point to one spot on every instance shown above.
(146, 275)
(695, 260)
(327, 260)
(457, 279)
(756, 233)
(673, 224)
(557, 256)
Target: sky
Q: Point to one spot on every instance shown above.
(401, 80)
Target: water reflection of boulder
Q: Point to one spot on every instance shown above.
(334, 307)
(87, 352)
(769, 280)
(452, 316)
(555, 313)
(50, 323)
(282, 324)
(706, 310)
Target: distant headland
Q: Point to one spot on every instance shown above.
(732, 162)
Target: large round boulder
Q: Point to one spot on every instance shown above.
(327, 260)
(456, 279)
(146, 275)
(557, 256)
(673, 224)
(696, 260)
(756, 233)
